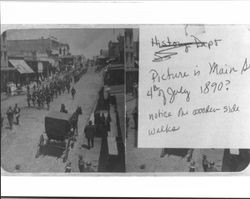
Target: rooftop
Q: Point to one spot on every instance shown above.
(28, 45)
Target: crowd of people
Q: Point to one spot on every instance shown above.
(100, 128)
(44, 95)
(84, 166)
(13, 115)
(40, 96)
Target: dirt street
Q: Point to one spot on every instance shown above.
(19, 145)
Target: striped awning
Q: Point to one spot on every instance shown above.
(21, 66)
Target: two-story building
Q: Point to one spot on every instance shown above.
(5, 70)
(116, 50)
(47, 53)
(4, 61)
(131, 56)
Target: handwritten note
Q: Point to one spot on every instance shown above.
(194, 86)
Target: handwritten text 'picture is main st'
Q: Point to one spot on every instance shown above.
(194, 86)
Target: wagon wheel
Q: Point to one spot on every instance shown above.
(66, 150)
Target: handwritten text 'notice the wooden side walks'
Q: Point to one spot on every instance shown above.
(194, 86)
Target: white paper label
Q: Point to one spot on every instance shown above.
(194, 86)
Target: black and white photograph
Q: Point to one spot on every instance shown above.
(62, 100)
(130, 98)
(69, 104)
(160, 160)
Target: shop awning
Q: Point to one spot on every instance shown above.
(21, 66)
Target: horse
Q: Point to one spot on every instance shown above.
(75, 116)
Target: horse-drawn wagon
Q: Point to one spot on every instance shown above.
(60, 128)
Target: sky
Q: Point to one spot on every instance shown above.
(87, 42)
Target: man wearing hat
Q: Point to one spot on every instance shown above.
(17, 111)
(90, 133)
(10, 116)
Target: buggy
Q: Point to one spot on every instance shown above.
(58, 129)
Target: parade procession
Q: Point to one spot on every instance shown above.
(58, 109)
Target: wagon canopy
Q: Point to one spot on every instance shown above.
(57, 125)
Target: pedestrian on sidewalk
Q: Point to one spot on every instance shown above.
(28, 99)
(73, 92)
(17, 111)
(10, 116)
(89, 132)
(205, 163)
(33, 98)
(189, 155)
(81, 164)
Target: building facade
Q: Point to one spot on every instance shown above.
(136, 53)
(116, 50)
(44, 55)
(131, 56)
(129, 48)
(4, 56)
(49, 46)
(6, 72)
